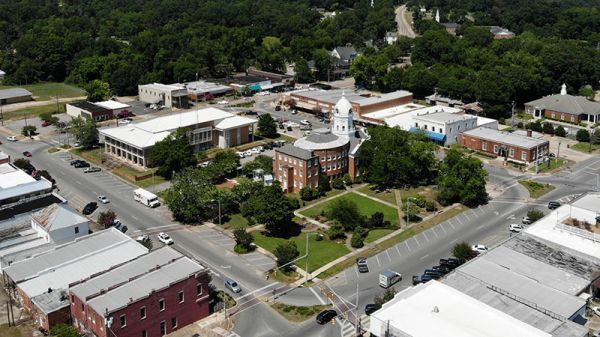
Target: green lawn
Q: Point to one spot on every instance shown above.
(45, 91)
(536, 189)
(236, 221)
(329, 194)
(34, 111)
(585, 147)
(94, 155)
(298, 314)
(376, 234)
(321, 252)
(550, 165)
(365, 205)
(387, 195)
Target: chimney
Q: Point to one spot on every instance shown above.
(529, 132)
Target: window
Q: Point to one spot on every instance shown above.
(416, 124)
(279, 157)
(511, 153)
(143, 312)
(459, 127)
(523, 155)
(425, 127)
(309, 173)
(161, 304)
(181, 297)
(484, 146)
(173, 322)
(495, 148)
(199, 288)
(562, 117)
(144, 333)
(450, 130)
(441, 130)
(554, 115)
(572, 118)
(294, 161)
(76, 229)
(163, 328)
(123, 321)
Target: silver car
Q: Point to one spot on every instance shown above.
(233, 286)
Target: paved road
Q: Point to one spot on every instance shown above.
(404, 27)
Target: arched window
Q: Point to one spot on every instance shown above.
(343, 128)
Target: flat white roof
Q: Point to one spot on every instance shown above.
(113, 105)
(161, 87)
(15, 182)
(503, 137)
(443, 117)
(235, 122)
(148, 133)
(435, 309)
(404, 119)
(393, 111)
(552, 229)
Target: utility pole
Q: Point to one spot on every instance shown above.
(537, 158)
(1, 114)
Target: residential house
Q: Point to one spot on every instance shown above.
(343, 58)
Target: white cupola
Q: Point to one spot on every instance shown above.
(563, 89)
(343, 122)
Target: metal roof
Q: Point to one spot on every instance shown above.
(506, 138)
(294, 151)
(15, 92)
(57, 216)
(321, 139)
(235, 122)
(124, 273)
(576, 105)
(68, 253)
(145, 285)
(113, 105)
(444, 117)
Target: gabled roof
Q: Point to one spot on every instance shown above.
(295, 151)
(16, 92)
(57, 216)
(576, 105)
(346, 53)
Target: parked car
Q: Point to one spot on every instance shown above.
(224, 101)
(82, 163)
(103, 199)
(326, 316)
(165, 238)
(143, 238)
(233, 286)
(124, 122)
(304, 122)
(92, 169)
(515, 228)
(451, 263)
(46, 123)
(255, 150)
(12, 138)
(89, 208)
(433, 273)
(75, 161)
(371, 308)
(442, 269)
(553, 205)
(241, 154)
(251, 112)
(527, 220)
(479, 248)
(551, 155)
(596, 310)
(294, 112)
(307, 133)
(421, 279)
(27, 153)
(362, 265)
(248, 153)
(278, 108)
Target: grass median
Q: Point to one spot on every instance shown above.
(536, 189)
(298, 314)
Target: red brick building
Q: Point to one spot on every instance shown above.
(565, 107)
(505, 144)
(151, 296)
(331, 152)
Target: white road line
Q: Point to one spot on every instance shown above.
(451, 225)
(312, 289)
(387, 251)
(465, 214)
(407, 246)
(424, 257)
(418, 244)
(398, 250)
(453, 241)
(356, 271)
(377, 257)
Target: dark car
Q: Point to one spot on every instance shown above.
(82, 164)
(281, 126)
(433, 273)
(278, 108)
(251, 112)
(371, 308)
(442, 269)
(27, 153)
(89, 208)
(451, 263)
(361, 263)
(421, 279)
(75, 161)
(553, 204)
(326, 316)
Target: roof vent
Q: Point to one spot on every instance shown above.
(49, 290)
(435, 309)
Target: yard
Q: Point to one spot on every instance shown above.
(34, 111)
(45, 91)
(551, 165)
(387, 195)
(365, 205)
(376, 234)
(320, 252)
(236, 221)
(585, 147)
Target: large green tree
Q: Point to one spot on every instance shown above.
(346, 213)
(172, 154)
(85, 131)
(97, 91)
(190, 197)
(462, 179)
(285, 254)
(267, 127)
(272, 208)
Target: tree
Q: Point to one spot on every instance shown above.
(358, 237)
(462, 179)
(338, 183)
(48, 117)
(85, 131)
(64, 330)
(43, 173)
(345, 212)
(582, 135)
(376, 220)
(224, 164)
(267, 126)
(560, 131)
(387, 296)
(303, 73)
(309, 193)
(107, 218)
(587, 91)
(190, 196)
(347, 179)
(261, 162)
(324, 184)
(336, 231)
(462, 250)
(286, 253)
(548, 128)
(22, 163)
(272, 208)
(243, 238)
(97, 91)
(28, 130)
(172, 154)
(534, 215)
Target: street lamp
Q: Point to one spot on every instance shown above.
(407, 210)
(219, 202)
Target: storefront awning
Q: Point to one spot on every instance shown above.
(438, 137)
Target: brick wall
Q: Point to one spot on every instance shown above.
(562, 116)
(483, 145)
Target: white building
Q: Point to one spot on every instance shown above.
(163, 94)
(17, 186)
(443, 127)
(58, 223)
(209, 127)
(117, 108)
(435, 309)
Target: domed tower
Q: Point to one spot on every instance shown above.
(343, 123)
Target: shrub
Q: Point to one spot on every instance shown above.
(501, 120)
(243, 238)
(319, 237)
(535, 215)
(336, 231)
(582, 135)
(560, 131)
(324, 185)
(548, 128)
(520, 125)
(286, 253)
(357, 241)
(347, 179)
(462, 250)
(28, 130)
(430, 206)
(309, 193)
(376, 220)
(339, 184)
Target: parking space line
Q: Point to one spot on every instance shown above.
(442, 227)
(418, 244)
(388, 254)
(425, 235)
(407, 246)
(465, 214)
(459, 221)
(398, 250)
(377, 257)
